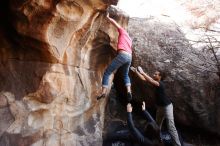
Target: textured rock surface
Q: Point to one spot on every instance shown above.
(53, 54)
(194, 90)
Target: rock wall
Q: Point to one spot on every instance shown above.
(53, 54)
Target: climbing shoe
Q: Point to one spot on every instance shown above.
(129, 97)
(101, 96)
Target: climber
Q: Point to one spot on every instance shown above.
(164, 104)
(122, 61)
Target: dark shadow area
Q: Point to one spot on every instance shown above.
(18, 139)
(199, 137)
(103, 53)
(116, 131)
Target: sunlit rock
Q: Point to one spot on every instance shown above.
(53, 55)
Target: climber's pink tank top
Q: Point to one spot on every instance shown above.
(124, 41)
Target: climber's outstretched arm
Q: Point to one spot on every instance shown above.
(113, 21)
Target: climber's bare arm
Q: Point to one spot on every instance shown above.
(113, 21)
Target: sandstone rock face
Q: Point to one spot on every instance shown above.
(194, 90)
(53, 54)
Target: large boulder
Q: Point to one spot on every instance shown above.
(194, 89)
